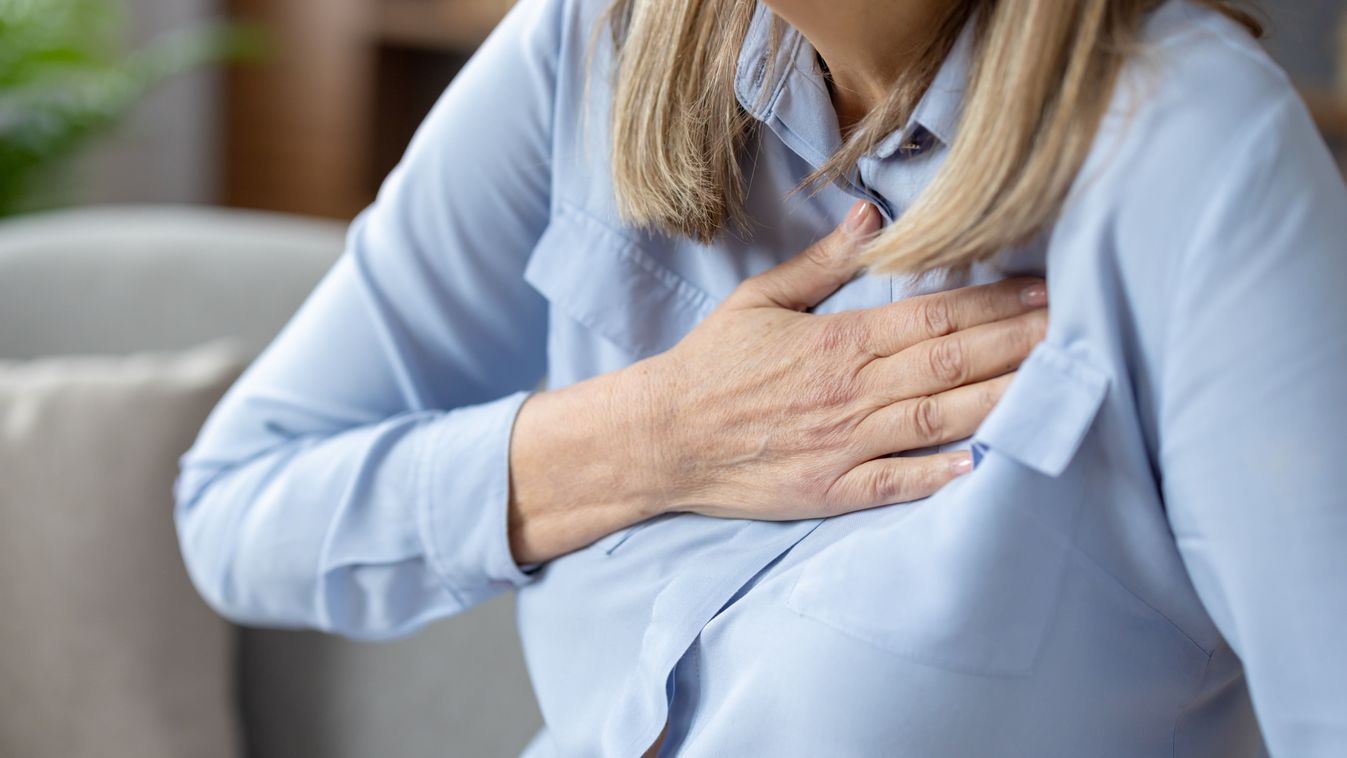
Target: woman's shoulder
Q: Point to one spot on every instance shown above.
(1207, 67)
(1196, 112)
(562, 30)
(1207, 167)
(1197, 87)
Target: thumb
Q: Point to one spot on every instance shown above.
(811, 276)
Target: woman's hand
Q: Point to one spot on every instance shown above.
(766, 412)
(771, 413)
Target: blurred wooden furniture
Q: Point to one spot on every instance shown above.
(1329, 109)
(315, 127)
(1330, 112)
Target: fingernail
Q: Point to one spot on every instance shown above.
(962, 465)
(860, 218)
(1035, 295)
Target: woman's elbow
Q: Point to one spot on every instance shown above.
(205, 548)
(212, 517)
(237, 553)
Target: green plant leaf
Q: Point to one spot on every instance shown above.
(66, 79)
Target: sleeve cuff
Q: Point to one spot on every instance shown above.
(464, 490)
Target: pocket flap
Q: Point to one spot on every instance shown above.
(1045, 413)
(606, 282)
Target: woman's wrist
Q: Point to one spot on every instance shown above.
(585, 462)
(645, 406)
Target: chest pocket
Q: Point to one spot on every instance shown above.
(604, 281)
(969, 579)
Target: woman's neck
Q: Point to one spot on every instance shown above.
(867, 45)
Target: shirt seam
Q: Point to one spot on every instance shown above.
(1120, 584)
(1188, 704)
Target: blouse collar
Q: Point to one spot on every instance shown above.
(789, 94)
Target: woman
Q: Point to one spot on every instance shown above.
(1139, 551)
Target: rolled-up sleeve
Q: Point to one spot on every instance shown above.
(356, 478)
(1253, 415)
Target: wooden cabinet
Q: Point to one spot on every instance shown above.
(316, 125)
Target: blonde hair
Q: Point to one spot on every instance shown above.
(678, 130)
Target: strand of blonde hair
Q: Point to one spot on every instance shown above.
(679, 133)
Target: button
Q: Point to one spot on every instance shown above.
(917, 143)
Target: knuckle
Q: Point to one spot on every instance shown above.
(932, 477)
(905, 482)
(926, 418)
(933, 315)
(948, 363)
(841, 332)
(888, 483)
(819, 480)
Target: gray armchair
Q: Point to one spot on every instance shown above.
(115, 280)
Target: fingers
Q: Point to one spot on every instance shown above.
(897, 480)
(900, 325)
(930, 420)
(972, 355)
(807, 279)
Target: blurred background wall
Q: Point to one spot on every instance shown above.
(1302, 37)
(169, 148)
(314, 128)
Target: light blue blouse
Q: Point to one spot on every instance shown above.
(1150, 553)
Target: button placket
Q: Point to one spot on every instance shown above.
(863, 179)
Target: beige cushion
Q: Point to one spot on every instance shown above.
(105, 648)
